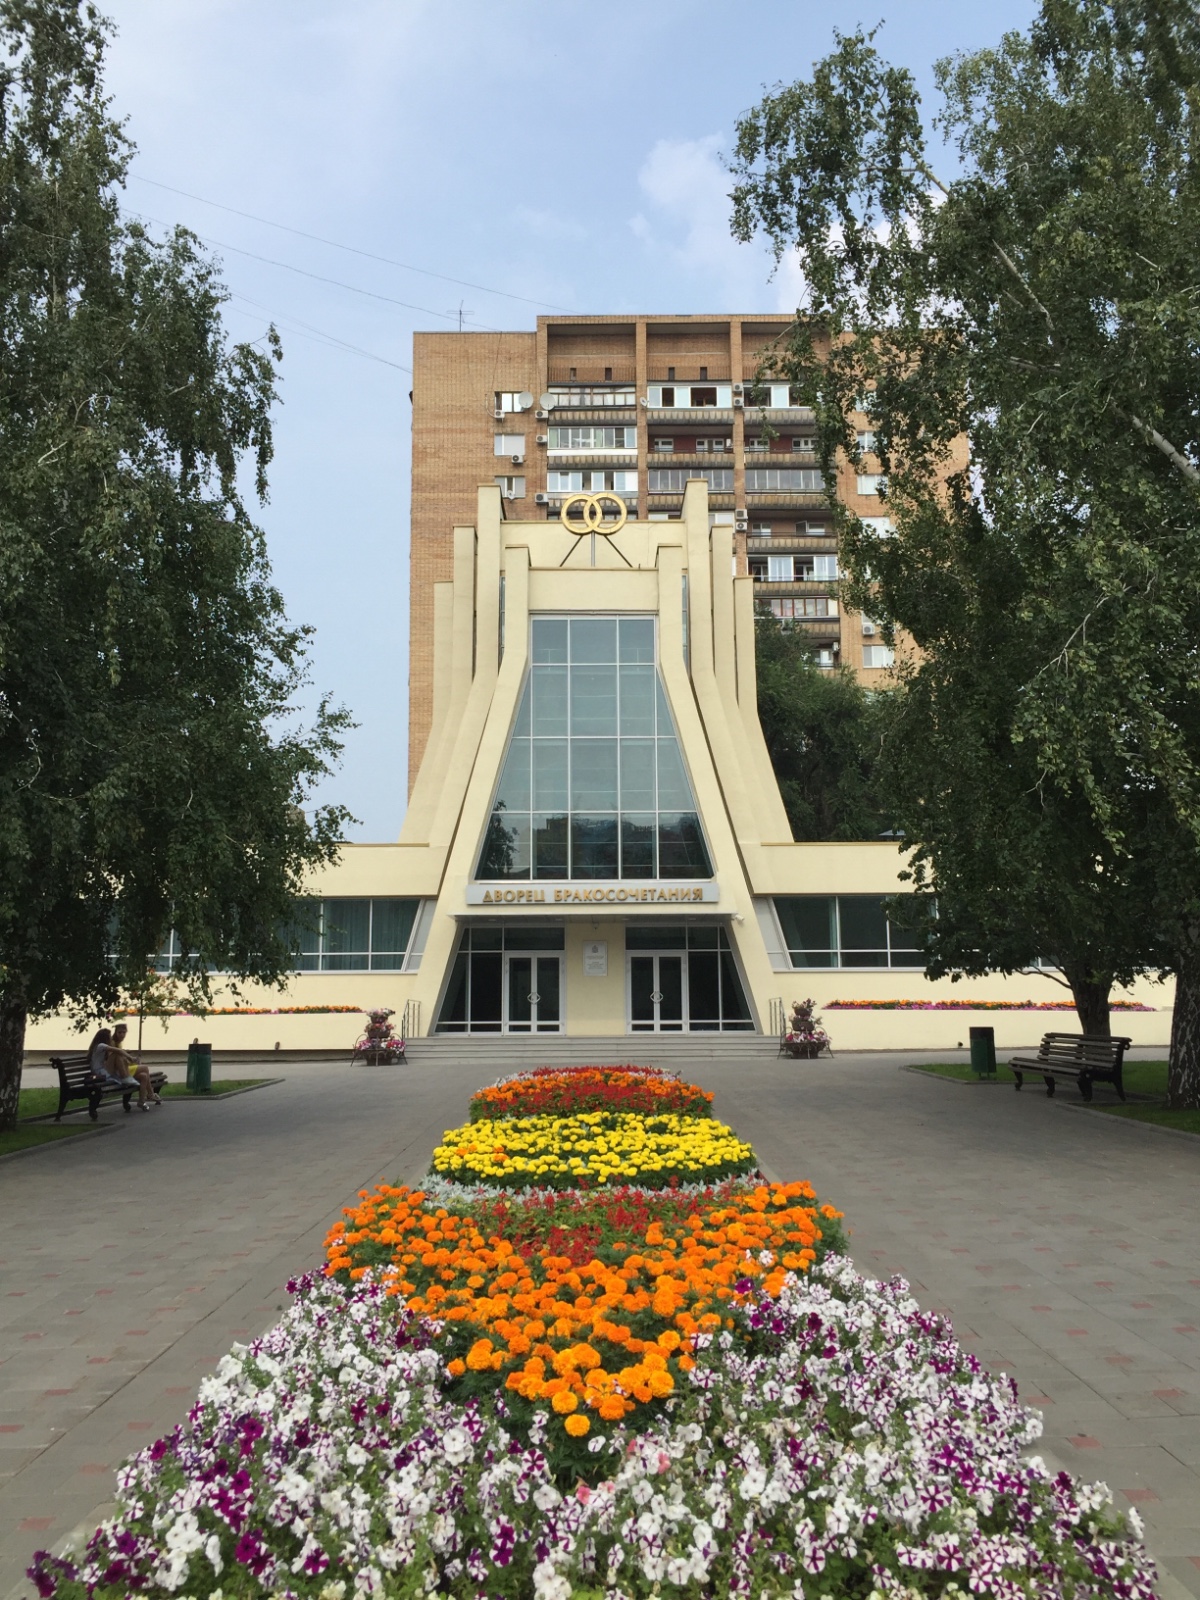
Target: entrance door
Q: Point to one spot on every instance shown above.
(656, 994)
(532, 991)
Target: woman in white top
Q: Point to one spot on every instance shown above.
(108, 1064)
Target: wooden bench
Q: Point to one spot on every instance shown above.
(1082, 1057)
(76, 1081)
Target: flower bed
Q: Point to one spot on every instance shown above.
(600, 1318)
(622, 1394)
(594, 1147)
(563, 1091)
(974, 1005)
(850, 1450)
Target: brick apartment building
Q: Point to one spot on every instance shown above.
(636, 406)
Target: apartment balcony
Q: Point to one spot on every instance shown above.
(786, 544)
(573, 415)
(814, 588)
(559, 459)
(779, 417)
(679, 458)
(674, 502)
(784, 500)
(691, 414)
(555, 497)
(619, 375)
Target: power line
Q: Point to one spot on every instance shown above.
(336, 244)
(318, 277)
(320, 333)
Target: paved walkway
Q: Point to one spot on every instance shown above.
(1061, 1243)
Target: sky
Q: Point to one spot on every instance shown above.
(506, 160)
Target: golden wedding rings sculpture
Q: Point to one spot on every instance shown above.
(590, 517)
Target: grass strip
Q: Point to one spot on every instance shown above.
(25, 1138)
(1160, 1116)
(1139, 1077)
(44, 1102)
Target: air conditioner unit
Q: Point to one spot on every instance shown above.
(517, 460)
(499, 414)
(737, 388)
(738, 403)
(541, 499)
(868, 629)
(541, 438)
(740, 524)
(741, 513)
(541, 415)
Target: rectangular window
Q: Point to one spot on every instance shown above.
(564, 482)
(878, 655)
(671, 480)
(353, 935)
(666, 446)
(866, 439)
(805, 444)
(848, 930)
(781, 569)
(757, 446)
(824, 569)
(870, 483)
(585, 395)
(694, 396)
(599, 438)
(788, 609)
(508, 444)
(512, 487)
(794, 480)
(881, 527)
(512, 400)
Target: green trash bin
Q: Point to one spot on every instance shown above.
(983, 1052)
(199, 1067)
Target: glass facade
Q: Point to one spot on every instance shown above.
(349, 935)
(684, 979)
(505, 980)
(354, 935)
(593, 783)
(844, 930)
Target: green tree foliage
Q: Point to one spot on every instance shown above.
(1044, 305)
(1007, 870)
(151, 771)
(823, 732)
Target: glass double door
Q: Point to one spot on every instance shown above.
(532, 994)
(656, 1003)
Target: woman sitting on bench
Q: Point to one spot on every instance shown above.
(117, 1069)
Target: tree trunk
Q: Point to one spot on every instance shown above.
(12, 1055)
(1090, 991)
(1183, 1070)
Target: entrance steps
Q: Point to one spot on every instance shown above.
(501, 1053)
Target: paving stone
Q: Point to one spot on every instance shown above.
(210, 1208)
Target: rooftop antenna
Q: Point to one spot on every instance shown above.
(462, 314)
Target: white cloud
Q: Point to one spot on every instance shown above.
(688, 189)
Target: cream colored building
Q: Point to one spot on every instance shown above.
(596, 844)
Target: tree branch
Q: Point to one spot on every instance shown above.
(1179, 461)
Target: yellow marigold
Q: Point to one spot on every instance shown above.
(577, 1425)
